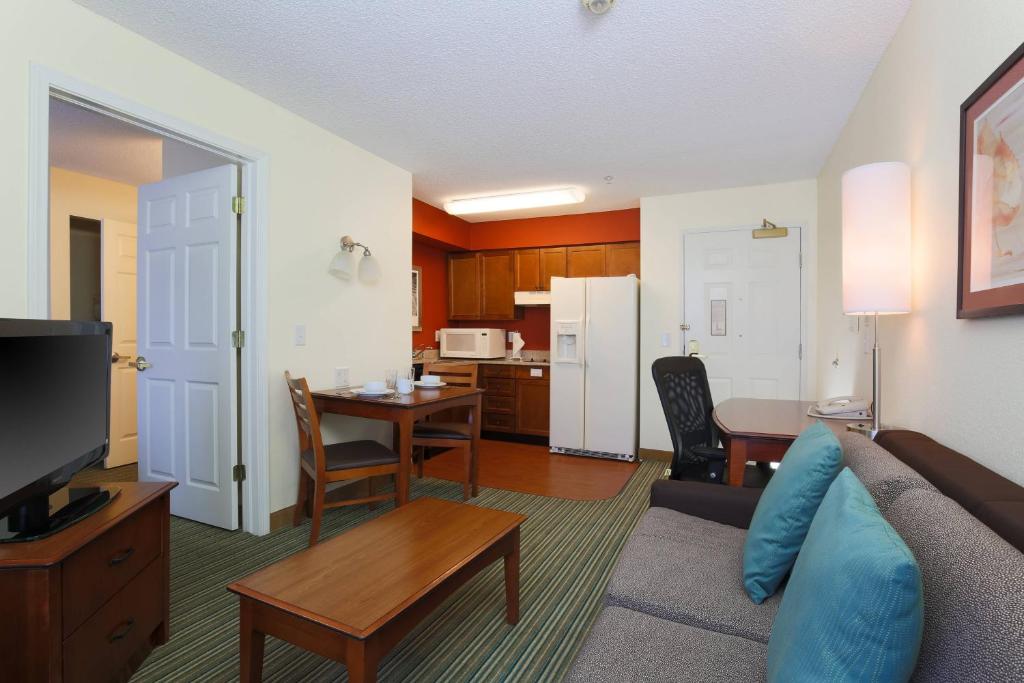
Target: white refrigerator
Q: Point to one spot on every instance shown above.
(594, 365)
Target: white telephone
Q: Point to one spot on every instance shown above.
(842, 406)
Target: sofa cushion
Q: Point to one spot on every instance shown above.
(624, 645)
(973, 591)
(786, 509)
(853, 608)
(687, 569)
(883, 474)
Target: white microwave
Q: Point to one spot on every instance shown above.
(472, 342)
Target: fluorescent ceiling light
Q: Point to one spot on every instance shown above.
(516, 200)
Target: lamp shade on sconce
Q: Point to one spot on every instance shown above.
(876, 239)
(341, 265)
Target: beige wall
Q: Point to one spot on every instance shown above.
(85, 196)
(320, 188)
(959, 381)
(662, 223)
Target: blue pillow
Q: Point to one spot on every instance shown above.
(854, 606)
(786, 509)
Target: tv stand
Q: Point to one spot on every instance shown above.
(33, 520)
(89, 602)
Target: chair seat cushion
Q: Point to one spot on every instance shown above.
(625, 645)
(351, 455)
(442, 430)
(689, 570)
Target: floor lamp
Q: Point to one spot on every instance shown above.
(876, 255)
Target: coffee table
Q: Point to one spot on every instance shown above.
(355, 596)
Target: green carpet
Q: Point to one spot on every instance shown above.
(568, 550)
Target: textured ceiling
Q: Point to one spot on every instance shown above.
(489, 97)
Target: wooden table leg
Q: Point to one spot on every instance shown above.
(404, 458)
(362, 668)
(474, 459)
(736, 452)
(512, 581)
(250, 645)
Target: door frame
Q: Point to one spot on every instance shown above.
(808, 276)
(45, 82)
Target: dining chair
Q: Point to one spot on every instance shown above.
(451, 429)
(320, 465)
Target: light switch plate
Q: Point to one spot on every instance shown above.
(341, 377)
(437, 335)
(300, 335)
(666, 339)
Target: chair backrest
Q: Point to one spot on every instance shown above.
(685, 395)
(454, 374)
(307, 420)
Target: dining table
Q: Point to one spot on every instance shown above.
(403, 411)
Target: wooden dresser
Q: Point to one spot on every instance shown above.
(90, 602)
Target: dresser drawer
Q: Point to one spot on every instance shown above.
(500, 404)
(98, 651)
(499, 386)
(498, 370)
(103, 567)
(499, 422)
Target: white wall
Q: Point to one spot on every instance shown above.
(662, 223)
(321, 187)
(959, 381)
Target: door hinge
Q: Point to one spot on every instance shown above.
(238, 339)
(238, 205)
(800, 352)
(800, 259)
(238, 473)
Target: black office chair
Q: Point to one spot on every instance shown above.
(685, 396)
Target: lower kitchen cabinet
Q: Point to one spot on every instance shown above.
(516, 400)
(533, 407)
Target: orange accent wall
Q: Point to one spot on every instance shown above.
(553, 231)
(432, 225)
(434, 314)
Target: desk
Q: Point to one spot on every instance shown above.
(761, 430)
(403, 410)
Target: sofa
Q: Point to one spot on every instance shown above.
(675, 608)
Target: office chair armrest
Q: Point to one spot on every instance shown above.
(708, 452)
(724, 504)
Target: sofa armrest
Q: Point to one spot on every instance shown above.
(730, 505)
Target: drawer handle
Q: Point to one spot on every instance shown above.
(121, 631)
(123, 557)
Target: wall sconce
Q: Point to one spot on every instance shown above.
(341, 264)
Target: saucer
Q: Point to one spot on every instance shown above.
(425, 385)
(366, 392)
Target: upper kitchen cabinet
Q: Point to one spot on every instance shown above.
(497, 292)
(622, 258)
(585, 261)
(528, 270)
(464, 286)
(552, 264)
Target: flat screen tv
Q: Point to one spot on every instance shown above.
(54, 422)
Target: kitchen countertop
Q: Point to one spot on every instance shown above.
(493, 361)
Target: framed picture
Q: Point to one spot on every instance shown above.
(991, 254)
(417, 298)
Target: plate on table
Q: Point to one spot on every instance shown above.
(373, 394)
(424, 385)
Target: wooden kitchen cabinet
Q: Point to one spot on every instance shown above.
(533, 401)
(552, 264)
(528, 270)
(515, 401)
(464, 286)
(622, 258)
(497, 290)
(585, 261)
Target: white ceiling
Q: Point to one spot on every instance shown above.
(491, 97)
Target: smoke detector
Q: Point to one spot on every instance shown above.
(598, 6)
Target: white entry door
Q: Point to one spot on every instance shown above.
(117, 300)
(741, 302)
(186, 289)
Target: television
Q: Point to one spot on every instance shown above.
(54, 422)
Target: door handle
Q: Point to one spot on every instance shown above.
(140, 364)
(116, 357)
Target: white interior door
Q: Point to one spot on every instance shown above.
(118, 260)
(741, 301)
(186, 290)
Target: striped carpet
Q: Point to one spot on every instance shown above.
(568, 550)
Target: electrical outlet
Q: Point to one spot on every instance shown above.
(300, 335)
(437, 335)
(341, 377)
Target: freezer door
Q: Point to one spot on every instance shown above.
(567, 362)
(612, 338)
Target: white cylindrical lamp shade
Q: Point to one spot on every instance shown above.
(876, 239)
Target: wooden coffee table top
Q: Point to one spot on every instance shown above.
(358, 581)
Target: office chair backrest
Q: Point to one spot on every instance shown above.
(685, 396)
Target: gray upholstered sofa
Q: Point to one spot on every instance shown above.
(675, 608)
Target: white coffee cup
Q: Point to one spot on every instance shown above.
(375, 386)
(431, 379)
(404, 385)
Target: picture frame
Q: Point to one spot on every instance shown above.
(990, 272)
(417, 298)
